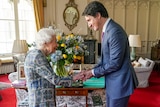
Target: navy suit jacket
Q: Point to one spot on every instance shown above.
(115, 64)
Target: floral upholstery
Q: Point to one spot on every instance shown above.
(21, 94)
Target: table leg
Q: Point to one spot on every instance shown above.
(87, 101)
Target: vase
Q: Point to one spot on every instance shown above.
(63, 70)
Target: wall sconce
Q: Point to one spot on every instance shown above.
(20, 48)
(134, 41)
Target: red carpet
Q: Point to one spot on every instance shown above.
(4, 78)
(8, 98)
(142, 97)
(147, 97)
(8, 95)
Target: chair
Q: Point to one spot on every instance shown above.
(143, 71)
(21, 94)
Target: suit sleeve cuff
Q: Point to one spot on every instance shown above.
(93, 72)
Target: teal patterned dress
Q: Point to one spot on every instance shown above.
(41, 80)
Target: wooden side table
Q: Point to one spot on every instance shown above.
(72, 92)
(75, 92)
(89, 85)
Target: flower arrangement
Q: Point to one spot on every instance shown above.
(70, 48)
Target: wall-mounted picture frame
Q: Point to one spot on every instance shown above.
(20, 70)
(76, 68)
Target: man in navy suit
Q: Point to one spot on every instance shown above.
(115, 64)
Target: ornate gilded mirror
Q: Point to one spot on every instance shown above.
(71, 15)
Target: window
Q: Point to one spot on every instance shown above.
(16, 22)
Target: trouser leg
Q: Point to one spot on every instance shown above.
(121, 102)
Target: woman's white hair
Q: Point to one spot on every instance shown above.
(43, 36)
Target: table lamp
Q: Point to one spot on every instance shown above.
(19, 49)
(134, 41)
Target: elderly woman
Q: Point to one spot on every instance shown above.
(40, 77)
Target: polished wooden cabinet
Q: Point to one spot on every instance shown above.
(155, 53)
(90, 59)
(73, 92)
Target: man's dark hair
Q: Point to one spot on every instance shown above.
(95, 7)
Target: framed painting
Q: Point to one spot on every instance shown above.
(20, 70)
(76, 66)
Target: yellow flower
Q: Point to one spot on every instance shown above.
(74, 56)
(79, 57)
(63, 45)
(64, 56)
(77, 47)
(58, 37)
(67, 36)
(71, 35)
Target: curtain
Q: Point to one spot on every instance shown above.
(39, 13)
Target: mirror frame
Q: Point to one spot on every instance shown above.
(71, 5)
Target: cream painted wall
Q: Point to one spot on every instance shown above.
(54, 14)
(135, 16)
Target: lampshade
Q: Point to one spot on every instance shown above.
(20, 46)
(134, 41)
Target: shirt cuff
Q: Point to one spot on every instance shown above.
(93, 72)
